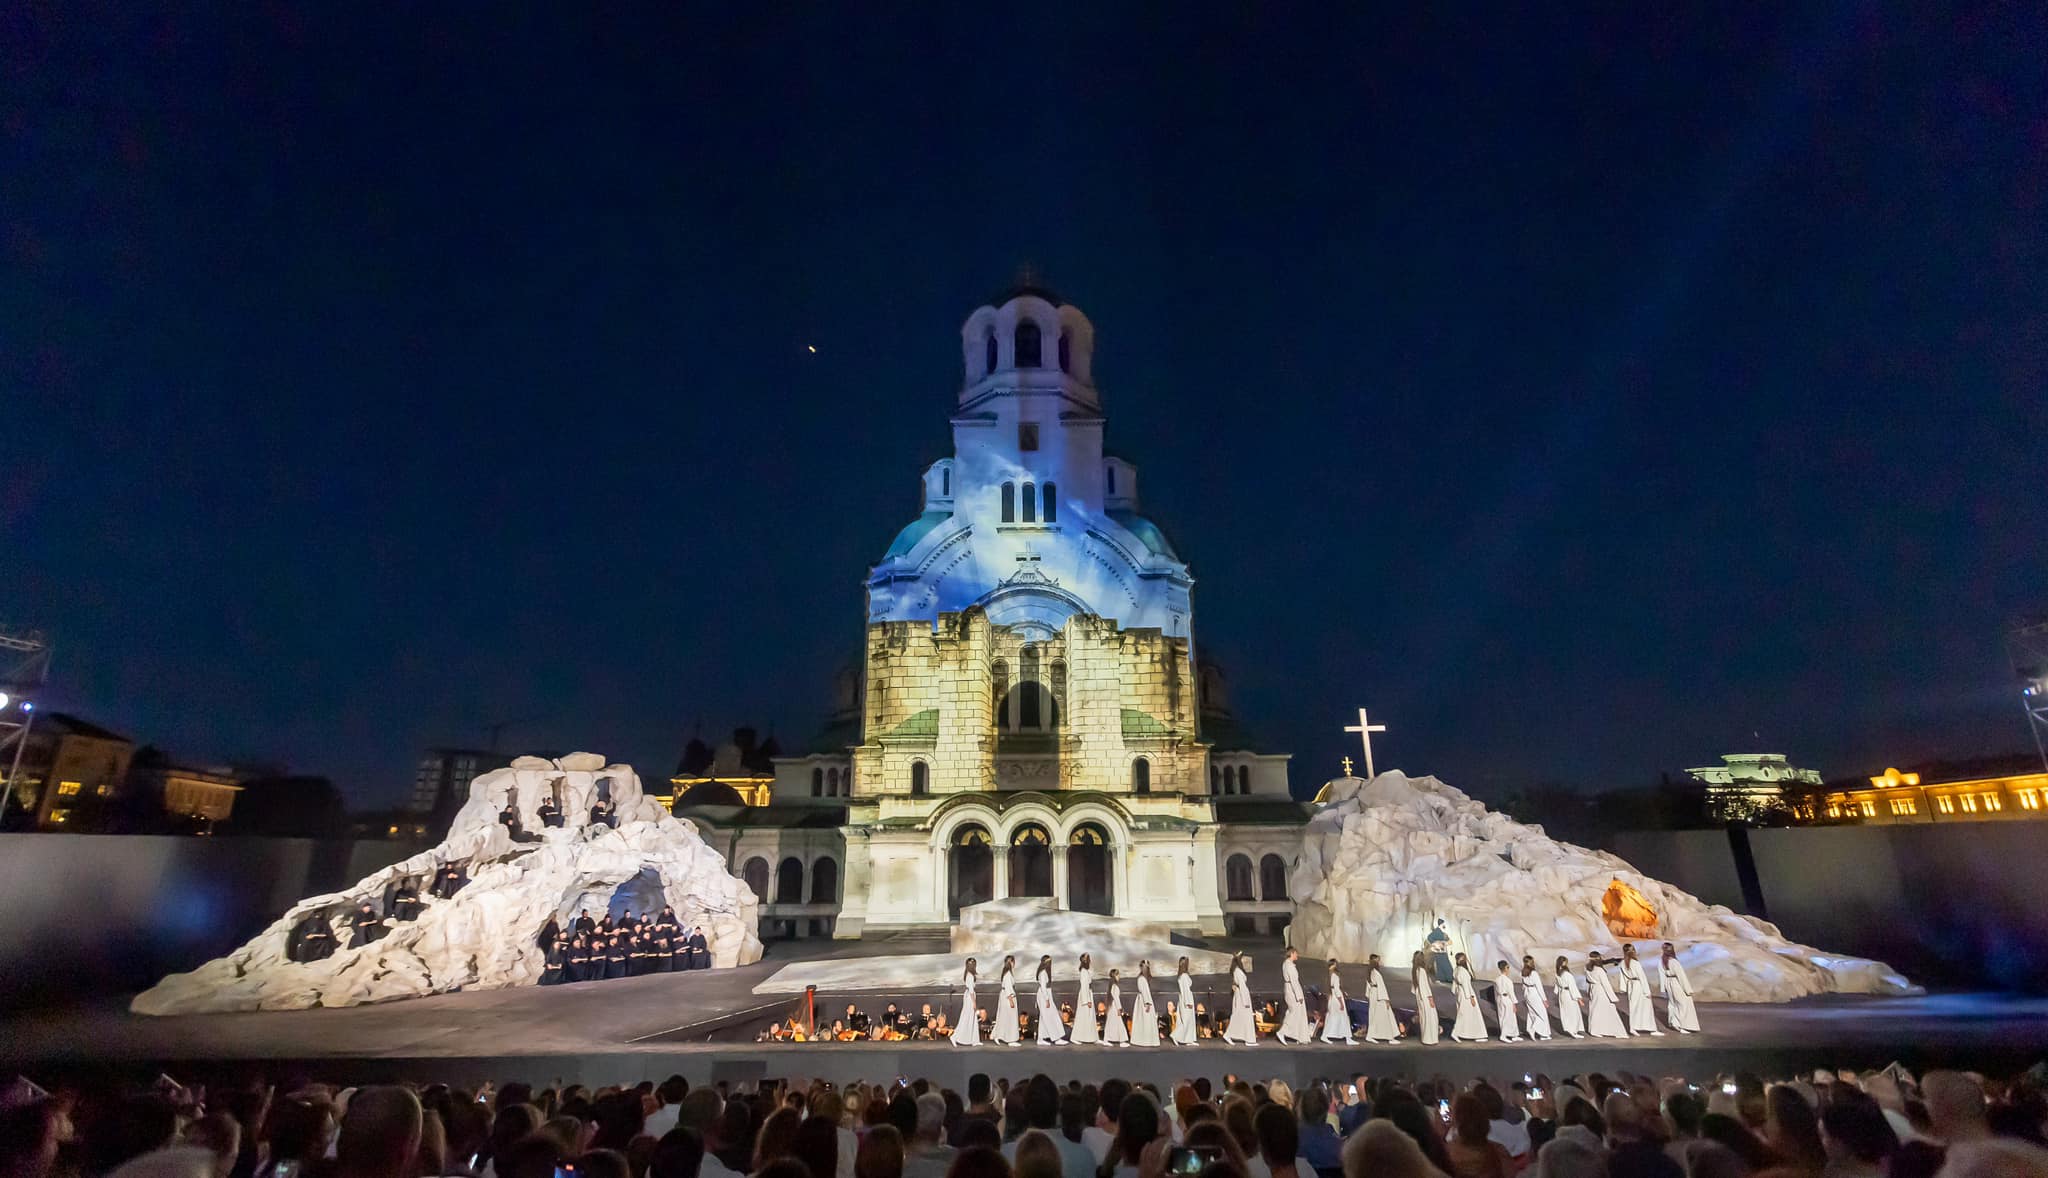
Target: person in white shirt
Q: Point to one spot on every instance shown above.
(1603, 1021)
(926, 1154)
(1535, 1006)
(1293, 1024)
(1428, 1026)
(1504, 1004)
(1380, 1026)
(1635, 989)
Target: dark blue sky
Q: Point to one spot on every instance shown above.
(1582, 393)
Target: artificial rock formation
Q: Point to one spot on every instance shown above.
(1383, 860)
(484, 937)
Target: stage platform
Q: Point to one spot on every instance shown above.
(700, 1025)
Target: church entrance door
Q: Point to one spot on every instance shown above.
(1089, 885)
(971, 877)
(1030, 861)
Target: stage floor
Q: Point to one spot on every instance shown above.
(649, 1027)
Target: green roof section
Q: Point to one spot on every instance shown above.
(1146, 531)
(925, 723)
(919, 528)
(1137, 723)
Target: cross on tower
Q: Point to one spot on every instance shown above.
(1365, 729)
(1347, 766)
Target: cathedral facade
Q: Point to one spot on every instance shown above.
(1029, 717)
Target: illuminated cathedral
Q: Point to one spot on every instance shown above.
(1030, 718)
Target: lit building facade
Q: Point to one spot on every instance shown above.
(1894, 797)
(68, 763)
(1028, 718)
(1745, 787)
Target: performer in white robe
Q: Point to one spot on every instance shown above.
(1470, 1026)
(1571, 1008)
(1380, 1025)
(1635, 988)
(1113, 1030)
(1241, 1028)
(1428, 1027)
(1678, 1008)
(1504, 1003)
(1184, 1012)
(1336, 1016)
(1602, 1019)
(1294, 1024)
(1050, 1028)
(968, 1032)
(1004, 1030)
(1535, 1006)
(1085, 1030)
(1144, 1015)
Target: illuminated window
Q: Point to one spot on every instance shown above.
(1869, 808)
(68, 789)
(1993, 803)
(1970, 803)
(1009, 503)
(59, 817)
(105, 790)
(1905, 806)
(1834, 810)
(2030, 799)
(1945, 804)
(1030, 498)
(1027, 435)
(1029, 354)
(1052, 503)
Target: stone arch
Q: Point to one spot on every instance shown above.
(755, 873)
(1237, 877)
(1091, 851)
(825, 880)
(1031, 852)
(1272, 877)
(970, 866)
(789, 881)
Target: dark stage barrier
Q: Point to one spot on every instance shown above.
(85, 915)
(1954, 904)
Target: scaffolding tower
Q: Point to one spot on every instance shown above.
(24, 667)
(2027, 646)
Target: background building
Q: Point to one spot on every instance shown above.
(69, 764)
(441, 783)
(1893, 797)
(1748, 787)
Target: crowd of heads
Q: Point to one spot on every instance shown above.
(1825, 1125)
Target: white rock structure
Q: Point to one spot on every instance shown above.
(484, 937)
(1383, 860)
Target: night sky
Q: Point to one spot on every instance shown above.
(1588, 397)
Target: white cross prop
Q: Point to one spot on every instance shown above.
(1365, 728)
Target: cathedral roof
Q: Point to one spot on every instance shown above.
(921, 526)
(1145, 530)
(1027, 282)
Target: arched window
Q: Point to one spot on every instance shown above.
(789, 882)
(825, 882)
(1052, 503)
(1009, 503)
(1030, 502)
(1273, 878)
(831, 783)
(1237, 878)
(1066, 351)
(1111, 471)
(1141, 776)
(989, 347)
(920, 777)
(1215, 780)
(1029, 355)
(1244, 779)
(817, 783)
(756, 875)
(946, 481)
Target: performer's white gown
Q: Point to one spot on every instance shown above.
(1571, 1016)
(1470, 1026)
(1427, 1025)
(1535, 1007)
(1602, 1019)
(1050, 1028)
(968, 1032)
(1504, 1000)
(1144, 1015)
(1085, 1030)
(1113, 1022)
(1678, 1007)
(1336, 1016)
(1184, 1013)
(1005, 1028)
(1241, 1028)
(1635, 985)
(1294, 1026)
(1380, 1026)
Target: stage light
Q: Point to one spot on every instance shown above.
(4, 697)
(28, 705)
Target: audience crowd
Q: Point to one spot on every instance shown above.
(1827, 1125)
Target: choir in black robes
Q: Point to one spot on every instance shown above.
(368, 928)
(579, 960)
(405, 901)
(585, 926)
(604, 814)
(311, 939)
(449, 880)
(700, 950)
(556, 971)
(550, 814)
(617, 957)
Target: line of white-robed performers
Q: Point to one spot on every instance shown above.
(1520, 1003)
